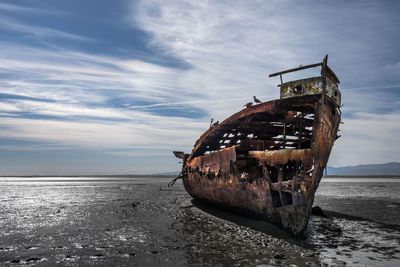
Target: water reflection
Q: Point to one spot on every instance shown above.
(383, 188)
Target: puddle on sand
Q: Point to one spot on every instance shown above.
(357, 243)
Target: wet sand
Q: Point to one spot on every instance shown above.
(147, 224)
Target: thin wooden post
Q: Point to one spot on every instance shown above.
(301, 130)
(284, 133)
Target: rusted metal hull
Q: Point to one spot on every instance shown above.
(266, 160)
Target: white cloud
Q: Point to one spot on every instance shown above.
(26, 9)
(225, 54)
(62, 110)
(155, 133)
(8, 107)
(38, 31)
(65, 74)
(77, 86)
(367, 138)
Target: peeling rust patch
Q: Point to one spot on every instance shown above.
(282, 156)
(214, 162)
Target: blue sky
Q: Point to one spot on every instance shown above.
(114, 86)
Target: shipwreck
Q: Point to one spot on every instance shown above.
(267, 160)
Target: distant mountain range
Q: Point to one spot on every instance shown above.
(391, 168)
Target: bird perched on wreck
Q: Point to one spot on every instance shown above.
(256, 100)
(211, 122)
(215, 124)
(247, 105)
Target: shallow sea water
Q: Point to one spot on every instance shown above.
(373, 187)
(140, 222)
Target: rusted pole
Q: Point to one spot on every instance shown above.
(323, 74)
(284, 133)
(295, 69)
(301, 130)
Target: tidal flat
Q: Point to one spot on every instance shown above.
(103, 221)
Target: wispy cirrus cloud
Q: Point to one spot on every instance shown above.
(233, 45)
(81, 93)
(100, 134)
(19, 9)
(38, 31)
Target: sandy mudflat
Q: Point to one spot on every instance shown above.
(140, 224)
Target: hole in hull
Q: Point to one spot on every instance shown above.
(276, 198)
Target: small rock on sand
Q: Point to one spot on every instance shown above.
(33, 259)
(317, 211)
(279, 256)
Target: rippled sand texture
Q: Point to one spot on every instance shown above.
(142, 223)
